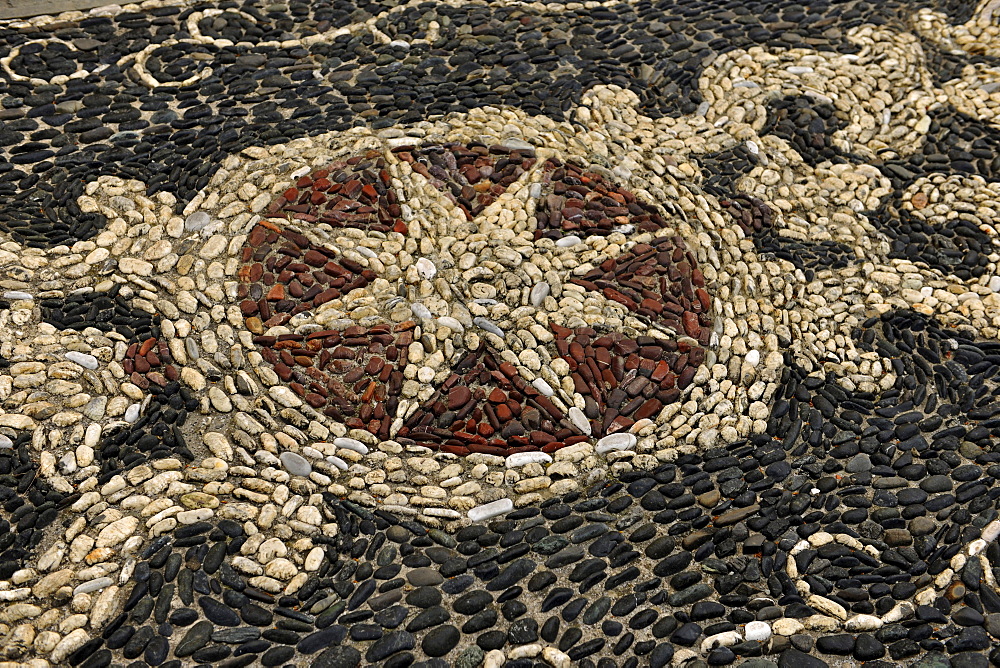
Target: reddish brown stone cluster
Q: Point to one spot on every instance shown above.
(149, 361)
(354, 375)
(485, 406)
(661, 282)
(472, 176)
(348, 193)
(624, 380)
(584, 203)
(285, 274)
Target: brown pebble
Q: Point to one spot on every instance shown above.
(691, 326)
(458, 397)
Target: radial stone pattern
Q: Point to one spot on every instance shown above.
(502, 334)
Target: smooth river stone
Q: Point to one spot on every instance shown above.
(543, 387)
(132, 413)
(83, 359)
(337, 461)
(451, 323)
(486, 325)
(759, 631)
(426, 268)
(492, 509)
(524, 458)
(196, 221)
(295, 464)
(579, 420)
(93, 585)
(616, 442)
(17, 294)
(420, 311)
(539, 291)
(517, 144)
(566, 242)
(351, 444)
(991, 532)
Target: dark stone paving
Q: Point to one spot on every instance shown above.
(57, 137)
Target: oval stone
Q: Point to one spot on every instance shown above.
(619, 441)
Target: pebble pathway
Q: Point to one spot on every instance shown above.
(504, 334)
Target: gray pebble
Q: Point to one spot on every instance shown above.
(295, 464)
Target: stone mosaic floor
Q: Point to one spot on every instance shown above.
(502, 333)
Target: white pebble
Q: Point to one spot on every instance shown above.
(16, 294)
(284, 396)
(426, 268)
(524, 458)
(338, 462)
(539, 291)
(543, 387)
(492, 509)
(579, 420)
(752, 147)
(619, 441)
(93, 585)
(975, 547)
(516, 144)
(351, 444)
(724, 639)
(420, 311)
(566, 242)
(83, 359)
(991, 531)
(451, 323)
(132, 413)
(757, 631)
(863, 623)
(446, 513)
(753, 357)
